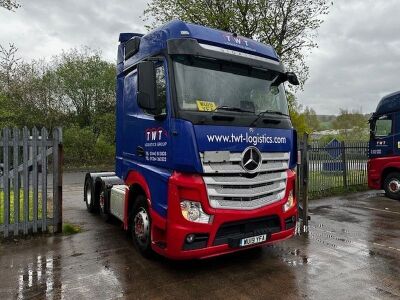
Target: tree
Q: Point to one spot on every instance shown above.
(87, 83)
(351, 123)
(8, 65)
(350, 120)
(9, 4)
(288, 25)
(311, 119)
(298, 120)
(303, 120)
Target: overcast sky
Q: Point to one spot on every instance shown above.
(357, 62)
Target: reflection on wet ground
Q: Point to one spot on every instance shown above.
(37, 279)
(351, 251)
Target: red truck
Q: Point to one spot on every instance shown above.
(384, 147)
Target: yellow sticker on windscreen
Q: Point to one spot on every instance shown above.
(205, 105)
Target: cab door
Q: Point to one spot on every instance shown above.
(146, 136)
(383, 142)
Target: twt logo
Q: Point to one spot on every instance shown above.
(236, 40)
(155, 134)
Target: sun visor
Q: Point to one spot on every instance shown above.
(188, 46)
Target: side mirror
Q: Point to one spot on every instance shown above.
(372, 134)
(292, 78)
(288, 76)
(372, 128)
(147, 86)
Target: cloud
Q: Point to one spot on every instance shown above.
(43, 28)
(358, 59)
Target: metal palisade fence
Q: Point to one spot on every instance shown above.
(335, 166)
(30, 181)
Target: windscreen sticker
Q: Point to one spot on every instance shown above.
(206, 105)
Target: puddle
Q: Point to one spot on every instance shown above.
(38, 279)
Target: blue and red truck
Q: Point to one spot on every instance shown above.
(384, 147)
(205, 149)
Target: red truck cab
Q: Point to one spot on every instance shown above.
(384, 147)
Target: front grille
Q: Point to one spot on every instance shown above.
(230, 186)
(238, 229)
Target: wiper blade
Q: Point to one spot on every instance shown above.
(268, 111)
(232, 108)
(272, 112)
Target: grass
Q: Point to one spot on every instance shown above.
(88, 168)
(325, 184)
(337, 191)
(69, 229)
(21, 206)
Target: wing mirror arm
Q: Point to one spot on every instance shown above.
(290, 77)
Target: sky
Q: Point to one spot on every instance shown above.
(357, 61)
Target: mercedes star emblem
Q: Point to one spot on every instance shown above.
(251, 159)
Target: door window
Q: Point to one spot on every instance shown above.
(383, 126)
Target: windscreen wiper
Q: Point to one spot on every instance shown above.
(232, 108)
(268, 111)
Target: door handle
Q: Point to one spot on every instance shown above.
(139, 151)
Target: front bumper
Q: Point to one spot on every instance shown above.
(374, 174)
(235, 224)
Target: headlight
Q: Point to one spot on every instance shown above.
(192, 211)
(290, 202)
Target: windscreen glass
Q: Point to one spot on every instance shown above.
(210, 85)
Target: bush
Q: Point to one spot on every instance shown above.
(83, 148)
(79, 144)
(104, 151)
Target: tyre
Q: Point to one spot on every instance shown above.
(392, 185)
(89, 196)
(140, 226)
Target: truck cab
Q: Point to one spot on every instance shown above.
(205, 149)
(384, 146)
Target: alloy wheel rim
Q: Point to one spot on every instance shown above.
(142, 226)
(394, 186)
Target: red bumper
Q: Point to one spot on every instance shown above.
(169, 235)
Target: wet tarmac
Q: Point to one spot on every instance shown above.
(351, 252)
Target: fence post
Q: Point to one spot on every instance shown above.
(35, 178)
(25, 175)
(57, 179)
(43, 152)
(344, 164)
(6, 180)
(16, 180)
(304, 182)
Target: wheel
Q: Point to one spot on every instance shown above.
(392, 185)
(89, 197)
(140, 226)
(104, 205)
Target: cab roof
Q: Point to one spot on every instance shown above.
(156, 41)
(389, 103)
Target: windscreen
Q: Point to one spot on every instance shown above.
(208, 85)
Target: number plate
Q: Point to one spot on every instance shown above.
(253, 240)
